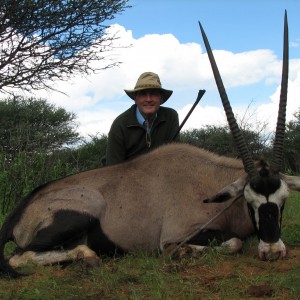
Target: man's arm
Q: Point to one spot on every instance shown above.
(115, 152)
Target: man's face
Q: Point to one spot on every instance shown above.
(148, 101)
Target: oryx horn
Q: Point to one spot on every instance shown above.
(276, 162)
(236, 132)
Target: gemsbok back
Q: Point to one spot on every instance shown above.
(159, 201)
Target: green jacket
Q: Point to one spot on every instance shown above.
(127, 138)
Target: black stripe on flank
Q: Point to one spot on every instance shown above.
(67, 229)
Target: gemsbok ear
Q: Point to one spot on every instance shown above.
(293, 182)
(218, 198)
(232, 190)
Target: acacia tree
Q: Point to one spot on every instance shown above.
(32, 125)
(42, 40)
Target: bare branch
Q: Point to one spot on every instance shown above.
(42, 41)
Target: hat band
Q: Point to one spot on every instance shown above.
(147, 86)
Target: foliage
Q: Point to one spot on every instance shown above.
(219, 140)
(93, 152)
(24, 172)
(212, 138)
(292, 144)
(89, 154)
(20, 174)
(43, 40)
(31, 125)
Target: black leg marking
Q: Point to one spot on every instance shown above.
(101, 244)
(217, 237)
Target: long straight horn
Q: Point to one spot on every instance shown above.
(276, 163)
(236, 132)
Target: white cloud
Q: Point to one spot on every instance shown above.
(202, 116)
(269, 110)
(94, 122)
(98, 99)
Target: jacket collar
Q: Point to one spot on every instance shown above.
(134, 121)
(140, 117)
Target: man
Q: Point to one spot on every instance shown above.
(145, 125)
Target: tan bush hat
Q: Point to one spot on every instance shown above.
(149, 80)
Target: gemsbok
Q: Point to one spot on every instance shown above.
(157, 201)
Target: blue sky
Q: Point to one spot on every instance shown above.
(246, 37)
(235, 25)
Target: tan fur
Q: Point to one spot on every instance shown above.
(146, 203)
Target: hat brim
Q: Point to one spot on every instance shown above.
(166, 94)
